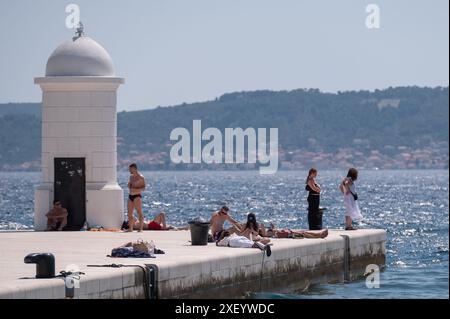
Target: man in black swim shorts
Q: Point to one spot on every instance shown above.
(136, 185)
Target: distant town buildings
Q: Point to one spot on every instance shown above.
(433, 156)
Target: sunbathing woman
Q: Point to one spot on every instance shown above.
(289, 233)
(251, 230)
(158, 223)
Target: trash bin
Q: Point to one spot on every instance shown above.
(199, 232)
(321, 210)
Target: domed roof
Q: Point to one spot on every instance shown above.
(80, 56)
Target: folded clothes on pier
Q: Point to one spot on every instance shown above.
(138, 249)
(130, 252)
(101, 228)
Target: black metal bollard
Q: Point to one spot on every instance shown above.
(45, 264)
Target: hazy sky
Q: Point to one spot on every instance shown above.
(175, 51)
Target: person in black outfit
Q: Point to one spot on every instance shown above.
(314, 214)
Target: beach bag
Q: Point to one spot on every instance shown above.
(355, 195)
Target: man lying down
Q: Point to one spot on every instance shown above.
(226, 239)
(273, 232)
(258, 232)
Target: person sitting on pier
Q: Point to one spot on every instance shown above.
(289, 233)
(218, 220)
(56, 217)
(251, 229)
(226, 239)
(158, 223)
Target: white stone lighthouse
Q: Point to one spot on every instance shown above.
(79, 136)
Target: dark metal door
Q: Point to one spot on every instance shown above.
(70, 189)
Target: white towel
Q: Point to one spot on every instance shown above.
(236, 241)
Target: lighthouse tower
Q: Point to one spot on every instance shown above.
(79, 136)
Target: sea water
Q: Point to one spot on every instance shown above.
(412, 205)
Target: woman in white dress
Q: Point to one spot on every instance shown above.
(348, 188)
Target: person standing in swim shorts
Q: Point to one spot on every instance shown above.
(136, 186)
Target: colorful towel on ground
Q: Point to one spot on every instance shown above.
(129, 252)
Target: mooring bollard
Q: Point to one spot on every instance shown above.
(45, 264)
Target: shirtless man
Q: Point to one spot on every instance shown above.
(218, 219)
(136, 185)
(56, 217)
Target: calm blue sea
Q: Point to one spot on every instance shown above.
(412, 205)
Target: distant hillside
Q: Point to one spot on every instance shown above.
(20, 133)
(305, 118)
(384, 124)
(20, 108)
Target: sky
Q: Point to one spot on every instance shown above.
(181, 51)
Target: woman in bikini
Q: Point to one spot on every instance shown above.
(157, 223)
(251, 230)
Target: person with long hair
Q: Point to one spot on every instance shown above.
(251, 229)
(347, 188)
(314, 213)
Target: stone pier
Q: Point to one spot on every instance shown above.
(184, 271)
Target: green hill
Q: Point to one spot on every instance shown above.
(388, 121)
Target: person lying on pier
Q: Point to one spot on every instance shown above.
(56, 217)
(289, 233)
(158, 223)
(251, 230)
(226, 239)
(218, 220)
